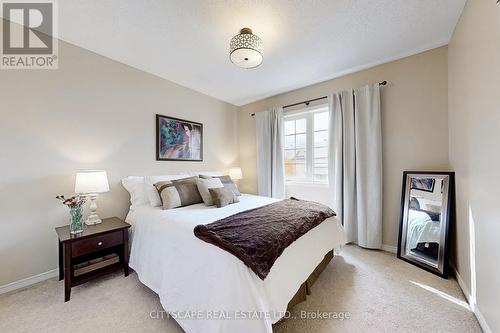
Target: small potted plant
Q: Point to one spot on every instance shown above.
(75, 204)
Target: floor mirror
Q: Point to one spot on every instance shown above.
(427, 206)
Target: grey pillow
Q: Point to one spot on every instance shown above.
(204, 185)
(227, 182)
(178, 193)
(223, 196)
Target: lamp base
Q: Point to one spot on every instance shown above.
(93, 220)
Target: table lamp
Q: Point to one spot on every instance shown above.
(235, 173)
(91, 183)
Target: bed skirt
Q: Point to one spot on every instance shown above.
(305, 288)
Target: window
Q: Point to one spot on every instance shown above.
(306, 146)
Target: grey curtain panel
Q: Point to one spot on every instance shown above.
(270, 155)
(355, 163)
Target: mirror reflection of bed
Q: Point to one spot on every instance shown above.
(424, 219)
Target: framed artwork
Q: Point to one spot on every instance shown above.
(178, 139)
(423, 184)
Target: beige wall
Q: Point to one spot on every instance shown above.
(414, 123)
(90, 113)
(474, 123)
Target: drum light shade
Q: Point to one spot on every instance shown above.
(235, 173)
(246, 49)
(91, 182)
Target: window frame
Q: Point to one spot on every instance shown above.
(308, 114)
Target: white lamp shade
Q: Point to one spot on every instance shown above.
(91, 181)
(235, 173)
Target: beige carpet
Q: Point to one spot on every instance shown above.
(379, 293)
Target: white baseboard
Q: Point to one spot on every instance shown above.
(474, 308)
(482, 321)
(390, 248)
(28, 281)
(461, 283)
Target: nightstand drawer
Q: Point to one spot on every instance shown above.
(97, 243)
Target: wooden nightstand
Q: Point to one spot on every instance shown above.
(98, 250)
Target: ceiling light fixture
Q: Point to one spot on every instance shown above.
(246, 49)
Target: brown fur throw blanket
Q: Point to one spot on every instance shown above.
(259, 236)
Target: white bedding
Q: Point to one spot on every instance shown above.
(421, 229)
(191, 275)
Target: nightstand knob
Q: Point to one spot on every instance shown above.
(99, 244)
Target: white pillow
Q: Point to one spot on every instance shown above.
(205, 184)
(135, 187)
(152, 195)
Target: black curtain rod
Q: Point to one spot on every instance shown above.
(383, 83)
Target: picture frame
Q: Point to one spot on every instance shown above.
(178, 139)
(423, 184)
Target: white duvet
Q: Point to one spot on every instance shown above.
(421, 229)
(196, 280)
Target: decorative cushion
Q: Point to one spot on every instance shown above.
(188, 191)
(226, 181)
(223, 196)
(169, 196)
(152, 195)
(204, 185)
(178, 193)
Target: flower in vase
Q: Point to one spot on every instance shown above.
(72, 202)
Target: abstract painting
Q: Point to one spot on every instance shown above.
(178, 139)
(423, 184)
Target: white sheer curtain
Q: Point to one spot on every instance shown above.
(355, 163)
(270, 156)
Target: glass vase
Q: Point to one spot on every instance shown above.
(76, 220)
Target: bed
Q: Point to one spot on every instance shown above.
(423, 228)
(206, 289)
